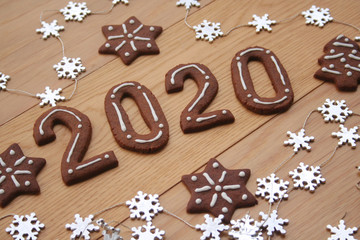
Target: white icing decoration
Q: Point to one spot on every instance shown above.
(242, 174)
(342, 60)
(17, 184)
(268, 103)
(2, 162)
(278, 69)
(202, 94)
(151, 108)
(120, 45)
(198, 201)
(51, 113)
(172, 80)
(250, 50)
(354, 57)
(332, 51)
(150, 140)
(226, 197)
(287, 90)
(106, 156)
(213, 200)
(244, 197)
(193, 178)
(207, 77)
(334, 56)
(131, 21)
(161, 125)
(238, 58)
(222, 176)
(27, 183)
(224, 112)
(110, 28)
(188, 118)
(340, 36)
(8, 170)
(130, 36)
(30, 162)
(124, 28)
(268, 51)
(331, 66)
(79, 126)
(70, 171)
(127, 54)
(218, 188)
(115, 37)
(128, 136)
(208, 178)
(340, 44)
(121, 121)
(231, 187)
(12, 152)
(88, 164)
(139, 87)
(354, 51)
(19, 161)
(138, 29)
(224, 210)
(351, 67)
(22, 172)
(324, 69)
(202, 189)
(107, 45)
(349, 74)
(132, 46)
(2, 191)
(152, 29)
(2, 179)
(72, 148)
(215, 165)
(241, 76)
(112, 96)
(148, 45)
(141, 38)
(201, 119)
(249, 95)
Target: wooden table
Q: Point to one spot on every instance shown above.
(253, 141)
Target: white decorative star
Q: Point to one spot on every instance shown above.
(50, 29)
(262, 23)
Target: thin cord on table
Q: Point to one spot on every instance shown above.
(104, 12)
(62, 46)
(307, 118)
(185, 20)
(109, 208)
(347, 24)
(331, 156)
(6, 216)
(21, 91)
(73, 92)
(179, 218)
(284, 162)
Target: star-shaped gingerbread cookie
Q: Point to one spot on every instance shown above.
(18, 174)
(218, 190)
(130, 40)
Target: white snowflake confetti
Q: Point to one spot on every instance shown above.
(334, 111)
(262, 23)
(317, 16)
(118, 1)
(272, 223)
(299, 140)
(144, 206)
(112, 235)
(82, 227)
(147, 232)
(3, 80)
(25, 227)
(75, 11)
(208, 31)
(69, 68)
(248, 229)
(272, 188)
(341, 232)
(50, 97)
(50, 29)
(212, 227)
(347, 136)
(188, 3)
(307, 177)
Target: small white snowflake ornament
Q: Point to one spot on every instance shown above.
(75, 11)
(317, 16)
(262, 23)
(272, 223)
(272, 188)
(299, 140)
(307, 177)
(334, 111)
(245, 229)
(50, 29)
(212, 227)
(347, 136)
(147, 232)
(50, 97)
(82, 227)
(25, 227)
(208, 31)
(120, 1)
(341, 232)
(69, 67)
(188, 3)
(144, 206)
(3, 80)
(111, 235)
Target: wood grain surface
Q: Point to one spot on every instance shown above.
(253, 141)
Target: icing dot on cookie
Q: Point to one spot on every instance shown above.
(149, 45)
(249, 95)
(110, 28)
(346, 39)
(152, 29)
(218, 188)
(354, 52)
(130, 35)
(129, 136)
(2, 191)
(331, 66)
(188, 118)
(161, 125)
(332, 51)
(238, 58)
(347, 66)
(30, 162)
(131, 21)
(342, 60)
(242, 174)
(287, 90)
(268, 51)
(224, 112)
(12, 152)
(215, 165)
(106, 156)
(139, 87)
(8, 170)
(27, 183)
(198, 201)
(207, 77)
(70, 171)
(107, 45)
(112, 96)
(349, 74)
(224, 210)
(244, 197)
(127, 54)
(193, 178)
(79, 126)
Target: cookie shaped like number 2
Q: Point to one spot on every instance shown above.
(73, 169)
(192, 118)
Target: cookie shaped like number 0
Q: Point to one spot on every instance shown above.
(192, 118)
(73, 170)
(244, 87)
(150, 110)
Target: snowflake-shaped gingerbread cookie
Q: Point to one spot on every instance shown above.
(147, 232)
(262, 23)
(208, 31)
(317, 16)
(69, 67)
(3, 80)
(299, 140)
(307, 177)
(245, 229)
(188, 3)
(341, 232)
(25, 227)
(272, 223)
(347, 136)
(272, 188)
(50, 97)
(144, 206)
(75, 11)
(334, 110)
(82, 227)
(212, 227)
(50, 29)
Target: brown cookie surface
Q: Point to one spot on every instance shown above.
(218, 190)
(244, 87)
(130, 40)
(18, 174)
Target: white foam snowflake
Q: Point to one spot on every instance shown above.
(69, 67)
(82, 227)
(317, 16)
(25, 227)
(307, 177)
(272, 188)
(299, 140)
(144, 206)
(75, 11)
(3, 80)
(208, 31)
(188, 3)
(50, 29)
(212, 227)
(147, 232)
(262, 23)
(50, 97)
(341, 232)
(248, 229)
(272, 223)
(347, 136)
(334, 111)
(118, 1)
(112, 235)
